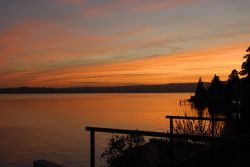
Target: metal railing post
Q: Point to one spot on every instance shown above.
(171, 139)
(171, 126)
(92, 148)
(212, 127)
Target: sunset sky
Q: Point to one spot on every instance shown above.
(62, 43)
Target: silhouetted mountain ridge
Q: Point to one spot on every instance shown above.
(163, 88)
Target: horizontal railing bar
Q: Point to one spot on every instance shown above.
(168, 135)
(201, 118)
(125, 131)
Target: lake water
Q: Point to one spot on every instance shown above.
(51, 126)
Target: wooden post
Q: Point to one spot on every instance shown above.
(213, 140)
(92, 148)
(171, 126)
(171, 140)
(212, 127)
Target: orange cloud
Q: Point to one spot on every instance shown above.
(182, 67)
(43, 43)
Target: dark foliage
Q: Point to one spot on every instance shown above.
(233, 94)
(233, 87)
(200, 91)
(246, 64)
(124, 151)
(200, 98)
(216, 91)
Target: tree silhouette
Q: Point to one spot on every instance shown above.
(220, 94)
(246, 64)
(216, 85)
(233, 77)
(233, 86)
(200, 91)
(245, 99)
(216, 91)
(200, 98)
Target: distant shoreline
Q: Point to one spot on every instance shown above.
(35, 93)
(164, 88)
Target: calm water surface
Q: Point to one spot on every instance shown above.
(51, 126)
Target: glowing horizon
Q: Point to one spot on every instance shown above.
(63, 43)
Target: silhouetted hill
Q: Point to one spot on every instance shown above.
(164, 88)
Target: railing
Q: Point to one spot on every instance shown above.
(171, 135)
(212, 119)
(119, 131)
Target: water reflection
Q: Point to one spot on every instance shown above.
(52, 126)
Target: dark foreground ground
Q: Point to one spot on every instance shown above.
(224, 155)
